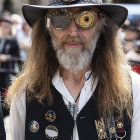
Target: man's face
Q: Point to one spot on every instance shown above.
(74, 46)
(5, 28)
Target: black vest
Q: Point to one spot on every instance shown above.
(62, 122)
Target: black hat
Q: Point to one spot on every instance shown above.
(116, 12)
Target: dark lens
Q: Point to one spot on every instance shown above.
(60, 22)
(86, 19)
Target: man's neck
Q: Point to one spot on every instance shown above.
(74, 81)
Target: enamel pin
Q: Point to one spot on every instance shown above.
(33, 126)
(100, 127)
(50, 116)
(120, 129)
(120, 126)
(51, 132)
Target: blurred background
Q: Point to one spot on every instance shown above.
(15, 41)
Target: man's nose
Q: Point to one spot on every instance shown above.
(73, 29)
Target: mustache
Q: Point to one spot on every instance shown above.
(70, 39)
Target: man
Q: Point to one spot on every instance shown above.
(75, 84)
(9, 56)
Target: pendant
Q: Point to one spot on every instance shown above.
(73, 109)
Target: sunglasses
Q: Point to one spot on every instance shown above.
(84, 19)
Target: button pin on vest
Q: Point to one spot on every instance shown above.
(51, 132)
(33, 126)
(50, 116)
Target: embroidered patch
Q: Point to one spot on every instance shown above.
(51, 132)
(100, 127)
(50, 116)
(33, 126)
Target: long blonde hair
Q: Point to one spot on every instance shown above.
(108, 64)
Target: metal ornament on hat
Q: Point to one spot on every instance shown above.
(57, 2)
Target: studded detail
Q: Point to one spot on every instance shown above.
(52, 2)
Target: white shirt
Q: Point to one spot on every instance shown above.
(18, 109)
(85, 94)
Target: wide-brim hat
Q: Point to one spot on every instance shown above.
(117, 13)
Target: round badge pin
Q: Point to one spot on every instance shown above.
(33, 126)
(120, 125)
(112, 130)
(51, 132)
(50, 116)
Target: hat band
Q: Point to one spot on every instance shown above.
(68, 2)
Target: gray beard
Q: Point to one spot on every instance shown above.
(75, 59)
